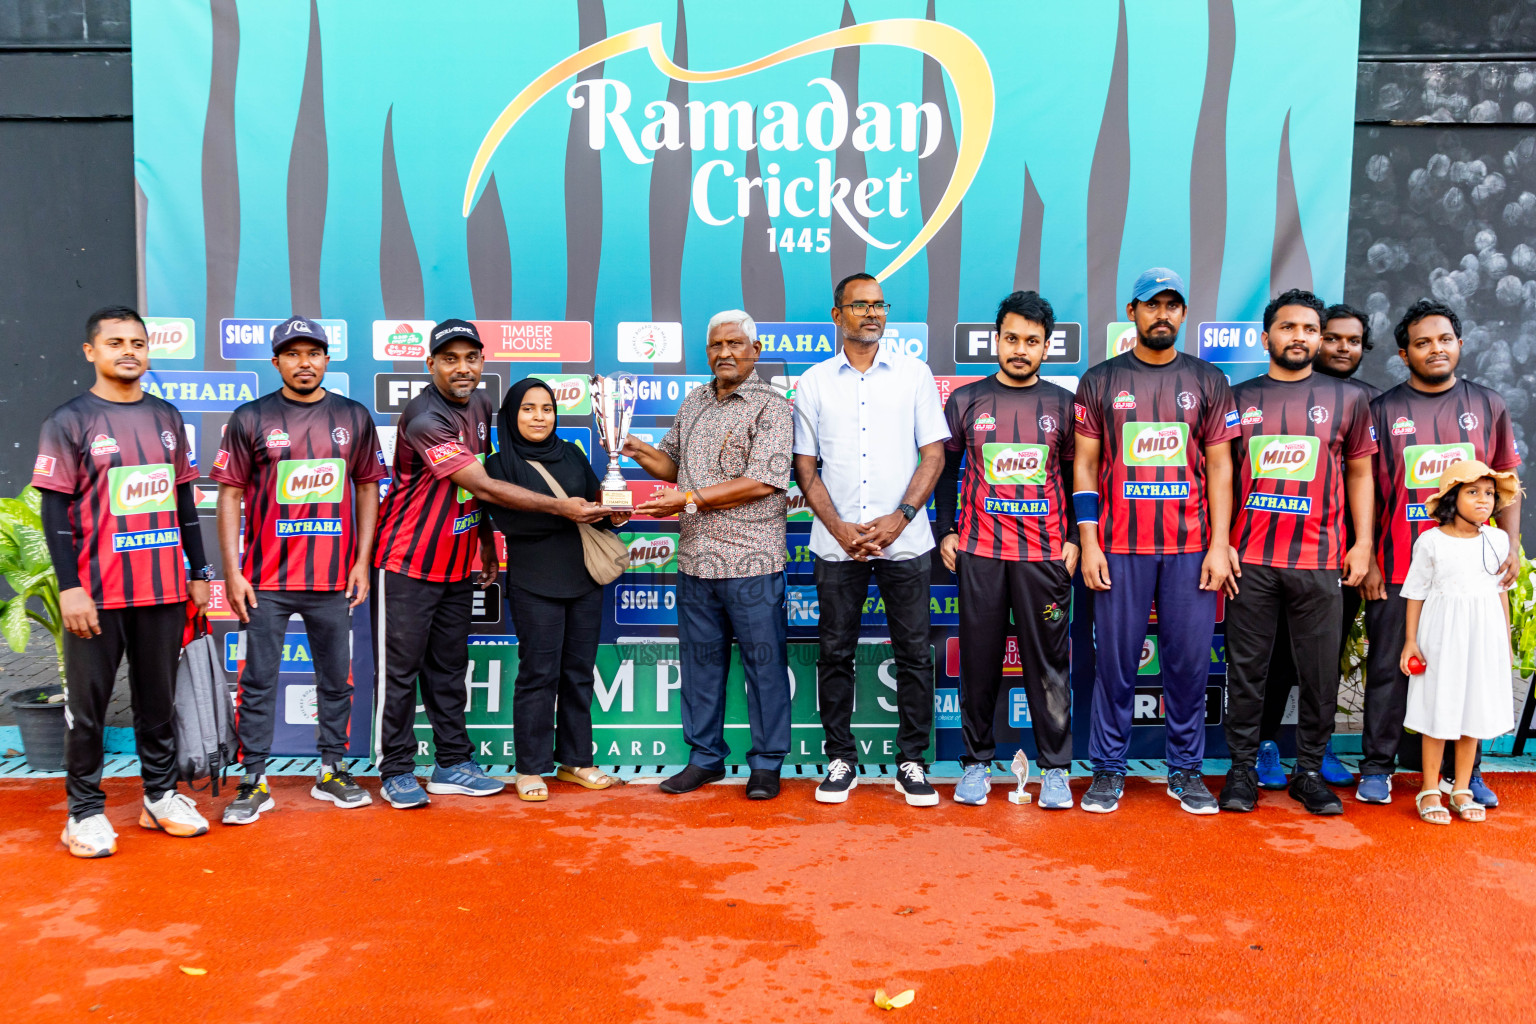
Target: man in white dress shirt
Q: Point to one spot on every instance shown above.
(873, 420)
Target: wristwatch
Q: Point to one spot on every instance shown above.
(689, 505)
(206, 574)
(907, 512)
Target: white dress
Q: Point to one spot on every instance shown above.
(1465, 691)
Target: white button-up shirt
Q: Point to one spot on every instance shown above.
(867, 428)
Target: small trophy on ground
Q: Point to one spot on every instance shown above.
(613, 407)
(1020, 768)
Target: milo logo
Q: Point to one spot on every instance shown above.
(1425, 462)
(1014, 463)
(1283, 456)
(460, 494)
(656, 552)
(137, 490)
(572, 397)
(1153, 444)
(311, 481)
(798, 509)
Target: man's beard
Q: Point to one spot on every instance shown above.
(1014, 375)
(298, 390)
(1287, 362)
(1160, 343)
(1437, 379)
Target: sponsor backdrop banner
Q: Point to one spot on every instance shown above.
(590, 182)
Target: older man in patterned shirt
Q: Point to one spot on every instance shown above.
(729, 454)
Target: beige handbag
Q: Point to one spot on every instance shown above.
(605, 555)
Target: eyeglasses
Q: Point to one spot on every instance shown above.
(861, 308)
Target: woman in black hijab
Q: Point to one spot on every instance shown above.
(554, 604)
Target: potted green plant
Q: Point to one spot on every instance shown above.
(1522, 630)
(25, 564)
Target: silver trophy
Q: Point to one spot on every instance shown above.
(1020, 768)
(613, 407)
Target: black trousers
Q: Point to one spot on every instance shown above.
(422, 633)
(1311, 604)
(1039, 597)
(328, 627)
(841, 588)
(1282, 667)
(552, 703)
(1386, 693)
(151, 637)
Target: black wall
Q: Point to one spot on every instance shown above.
(66, 203)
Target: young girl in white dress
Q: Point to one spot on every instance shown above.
(1457, 655)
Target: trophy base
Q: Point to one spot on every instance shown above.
(1015, 797)
(619, 501)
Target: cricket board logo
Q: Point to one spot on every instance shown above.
(1252, 415)
(655, 551)
(1014, 464)
(136, 490)
(1283, 456)
(1425, 462)
(647, 342)
(1318, 414)
(1401, 426)
(1047, 423)
(104, 444)
(1468, 420)
(1154, 444)
(1125, 400)
(168, 439)
(341, 435)
(277, 438)
(985, 421)
(310, 481)
(1187, 400)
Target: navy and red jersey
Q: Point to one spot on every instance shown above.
(1013, 496)
(1295, 436)
(428, 526)
(1154, 422)
(122, 462)
(295, 461)
(1419, 434)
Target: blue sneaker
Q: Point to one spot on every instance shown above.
(1333, 771)
(1055, 794)
(1271, 771)
(973, 785)
(467, 779)
(1481, 794)
(404, 792)
(1374, 789)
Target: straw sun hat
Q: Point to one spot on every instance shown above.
(1506, 484)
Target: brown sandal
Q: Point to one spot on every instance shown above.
(589, 777)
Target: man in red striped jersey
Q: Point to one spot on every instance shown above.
(118, 513)
(306, 463)
(1152, 434)
(1014, 547)
(1304, 446)
(1426, 423)
(428, 527)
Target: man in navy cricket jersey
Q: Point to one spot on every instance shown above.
(1346, 340)
(1152, 434)
(1423, 425)
(429, 527)
(1304, 446)
(1014, 546)
(306, 463)
(118, 513)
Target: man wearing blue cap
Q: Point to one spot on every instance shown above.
(1153, 497)
(305, 463)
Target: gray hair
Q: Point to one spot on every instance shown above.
(733, 316)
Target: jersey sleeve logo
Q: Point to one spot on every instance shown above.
(137, 490)
(1283, 456)
(1014, 464)
(1154, 444)
(310, 481)
(1232, 418)
(441, 453)
(1425, 462)
(1079, 412)
(44, 465)
(221, 460)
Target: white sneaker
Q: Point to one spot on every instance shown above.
(90, 838)
(174, 814)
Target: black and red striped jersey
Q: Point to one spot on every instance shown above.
(1295, 437)
(298, 463)
(428, 526)
(1154, 423)
(1419, 434)
(1013, 494)
(122, 462)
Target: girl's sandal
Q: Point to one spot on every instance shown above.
(1435, 815)
(590, 777)
(1468, 809)
(531, 788)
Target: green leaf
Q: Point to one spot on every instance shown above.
(13, 624)
(33, 549)
(32, 498)
(13, 512)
